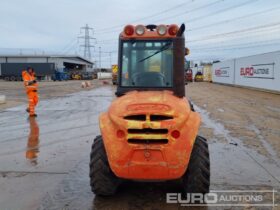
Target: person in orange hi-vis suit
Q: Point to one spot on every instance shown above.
(31, 87)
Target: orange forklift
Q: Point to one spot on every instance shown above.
(150, 131)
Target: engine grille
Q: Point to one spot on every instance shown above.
(147, 135)
(142, 117)
(148, 141)
(160, 117)
(148, 131)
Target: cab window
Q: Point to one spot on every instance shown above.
(147, 64)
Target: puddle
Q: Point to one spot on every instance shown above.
(269, 165)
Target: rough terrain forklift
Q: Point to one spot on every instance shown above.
(150, 131)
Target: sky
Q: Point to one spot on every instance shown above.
(215, 29)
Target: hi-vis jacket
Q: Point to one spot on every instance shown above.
(29, 83)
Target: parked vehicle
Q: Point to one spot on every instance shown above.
(86, 76)
(94, 75)
(198, 77)
(60, 75)
(12, 71)
(76, 76)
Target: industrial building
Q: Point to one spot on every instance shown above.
(44, 65)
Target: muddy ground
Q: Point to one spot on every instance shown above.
(249, 115)
(44, 162)
(15, 91)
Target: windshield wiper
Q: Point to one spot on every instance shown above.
(163, 48)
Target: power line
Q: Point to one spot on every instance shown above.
(215, 36)
(191, 10)
(232, 20)
(221, 11)
(201, 17)
(87, 45)
(211, 53)
(242, 47)
(211, 14)
(238, 46)
(149, 16)
(106, 40)
(73, 44)
(208, 25)
(70, 48)
(68, 45)
(214, 52)
(114, 51)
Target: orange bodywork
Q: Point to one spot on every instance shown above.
(156, 155)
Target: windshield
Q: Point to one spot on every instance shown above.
(147, 64)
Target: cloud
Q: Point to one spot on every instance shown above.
(52, 24)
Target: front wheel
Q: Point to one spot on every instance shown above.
(102, 180)
(197, 177)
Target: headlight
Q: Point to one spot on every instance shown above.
(140, 30)
(161, 29)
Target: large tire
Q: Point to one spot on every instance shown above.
(12, 78)
(197, 177)
(102, 180)
(191, 106)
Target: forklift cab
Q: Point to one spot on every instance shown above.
(152, 58)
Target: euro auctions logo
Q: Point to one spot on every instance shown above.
(265, 71)
(222, 72)
(236, 198)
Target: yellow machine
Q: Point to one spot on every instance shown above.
(115, 74)
(76, 76)
(198, 77)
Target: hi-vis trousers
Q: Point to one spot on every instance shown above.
(33, 101)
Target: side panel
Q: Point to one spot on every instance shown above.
(223, 72)
(260, 71)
